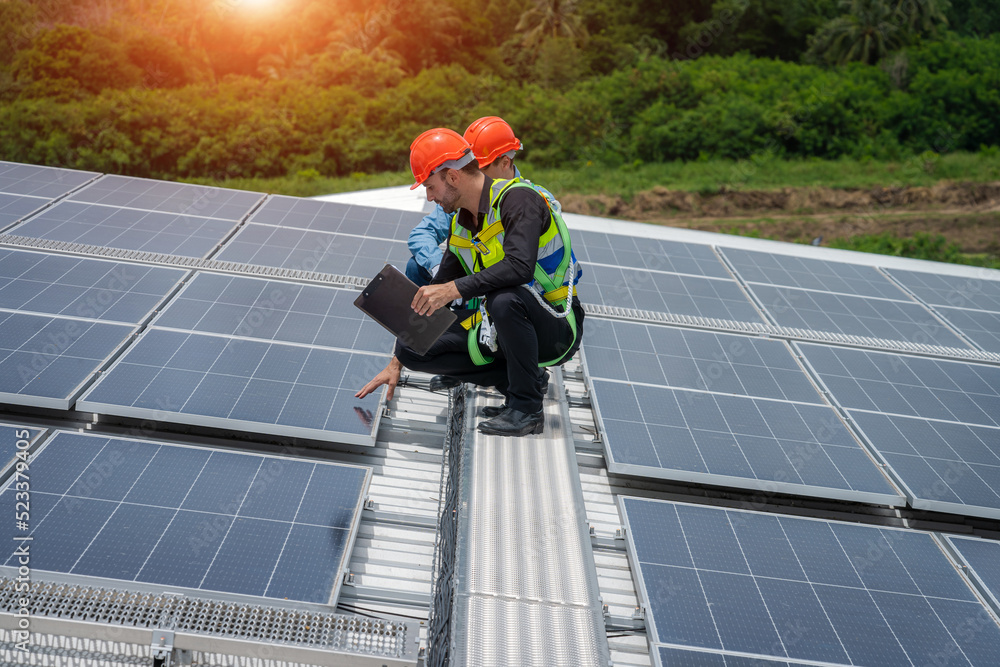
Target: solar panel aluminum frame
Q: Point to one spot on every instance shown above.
(159, 589)
(912, 498)
(226, 424)
(645, 603)
(76, 392)
(746, 483)
(950, 544)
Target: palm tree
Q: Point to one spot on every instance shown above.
(869, 30)
(550, 18)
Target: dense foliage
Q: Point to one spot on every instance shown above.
(188, 88)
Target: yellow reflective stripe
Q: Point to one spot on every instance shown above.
(472, 320)
(460, 242)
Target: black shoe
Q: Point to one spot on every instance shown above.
(439, 382)
(493, 410)
(514, 422)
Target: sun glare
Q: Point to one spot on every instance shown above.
(256, 4)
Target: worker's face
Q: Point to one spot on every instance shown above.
(441, 192)
(502, 167)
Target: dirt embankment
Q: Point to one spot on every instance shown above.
(966, 213)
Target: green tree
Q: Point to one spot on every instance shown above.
(974, 17)
(67, 61)
(548, 19)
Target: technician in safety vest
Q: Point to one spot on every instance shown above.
(494, 145)
(510, 250)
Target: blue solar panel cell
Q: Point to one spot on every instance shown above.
(44, 361)
(983, 560)
(183, 198)
(734, 440)
(854, 315)
(125, 542)
(959, 292)
(813, 274)
(833, 593)
(247, 557)
(646, 253)
(911, 386)
(274, 310)
(335, 217)
(47, 182)
(137, 510)
(82, 287)
(219, 382)
(308, 250)
(307, 569)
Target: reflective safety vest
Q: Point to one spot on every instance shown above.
(555, 254)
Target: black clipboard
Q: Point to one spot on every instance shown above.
(387, 300)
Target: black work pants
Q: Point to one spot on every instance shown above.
(526, 332)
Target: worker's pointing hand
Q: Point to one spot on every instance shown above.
(431, 297)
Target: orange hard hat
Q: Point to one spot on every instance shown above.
(438, 149)
(490, 138)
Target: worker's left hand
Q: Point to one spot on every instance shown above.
(431, 297)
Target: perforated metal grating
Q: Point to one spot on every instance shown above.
(231, 620)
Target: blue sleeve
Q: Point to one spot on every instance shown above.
(427, 236)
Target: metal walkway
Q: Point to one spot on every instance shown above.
(527, 590)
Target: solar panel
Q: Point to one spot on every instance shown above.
(191, 518)
(13, 439)
(704, 411)
(693, 359)
(754, 585)
(15, 208)
(274, 310)
(666, 293)
(943, 466)
(127, 228)
(982, 327)
(324, 216)
(309, 250)
(242, 384)
(642, 253)
(938, 290)
(854, 315)
(178, 198)
(82, 287)
(813, 274)
(905, 385)
(983, 560)
(674, 657)
(47, 182)
(46, 361)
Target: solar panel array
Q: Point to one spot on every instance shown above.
(722, 409)
(321, 216)
(935, 422)
(650, 254)
(982, 560)
(811, 274)
(45, 182)
(171, 515)
(62, 318)
(941, 290)
(143, 215)
(309, 250)
(750, 585)
(15, 208)
(656, 291)
(252, 355)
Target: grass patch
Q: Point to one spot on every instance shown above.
(934, 247)
(705, 177)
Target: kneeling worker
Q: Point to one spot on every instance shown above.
(512, 250)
